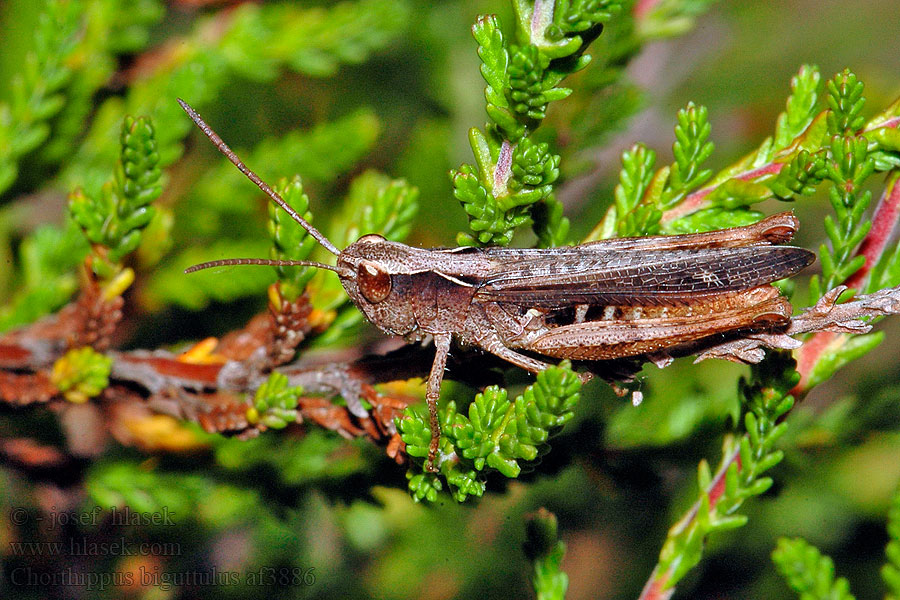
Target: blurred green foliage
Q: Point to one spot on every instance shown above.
(495, 434)
(367, 101)
(809, 573)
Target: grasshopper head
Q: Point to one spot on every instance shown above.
(371, 280)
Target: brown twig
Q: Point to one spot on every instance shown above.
(209, 383)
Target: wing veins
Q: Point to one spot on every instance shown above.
(641, 277)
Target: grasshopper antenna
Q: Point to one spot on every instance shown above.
(229, 153)
(260, 261)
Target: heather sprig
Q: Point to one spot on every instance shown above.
(765, 399)
(113, 220)
(38, 90)
(513, 174)
(808, 572)
(496, 433)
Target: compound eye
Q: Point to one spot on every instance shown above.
(371, 238)
(374, 283)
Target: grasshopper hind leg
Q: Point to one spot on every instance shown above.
(496, 347)
(648, 332)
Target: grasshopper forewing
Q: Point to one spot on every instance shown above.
(592, 302)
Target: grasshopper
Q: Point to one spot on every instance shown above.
(603, 300)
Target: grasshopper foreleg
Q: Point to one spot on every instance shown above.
(432, 392)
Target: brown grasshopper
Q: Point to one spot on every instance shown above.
(597, 301)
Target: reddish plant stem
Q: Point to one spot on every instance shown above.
(503, 169)
(642, 7)
(656, 586)
(892, 123)
(541, 17)
(697, 200)
(884, 222)
(807, 356)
